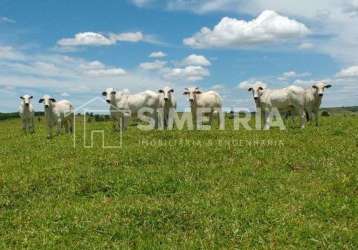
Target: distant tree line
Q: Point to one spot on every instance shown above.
(5, 116)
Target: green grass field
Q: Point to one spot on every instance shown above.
(181, 189)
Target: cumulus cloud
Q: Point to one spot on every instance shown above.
(157, 54)
(190, 73)
(250, 84)
(306, 45)
(292, 74)
(127, 37)
(97, 39)
(350, 72)
(230, 32)
(197, 60)
(86, 39)
(9, 53)
(218, 87)
(156, 65)
(141, 3)
(98, 69)
(5, 19)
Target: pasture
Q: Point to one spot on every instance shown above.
(181, 189)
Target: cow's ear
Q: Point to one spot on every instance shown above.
(41, 100)
(160, 91)
(113, 92)
(21, 97)
(250, 89)
(314, 86)
(104, 93)
(171, 90)
(197, 92)
(186, 93)
(52, 99)
(31, 97)
(261, 88)
(328, 86)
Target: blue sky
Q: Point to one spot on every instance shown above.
(75, 49)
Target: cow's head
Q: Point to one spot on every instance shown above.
(167, 93)
(110, 95)
(320, 87)
(26, 99)
(192, 93)
(257, 91)
(47, 101)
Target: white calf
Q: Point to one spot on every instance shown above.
(313, 99)
(211, 100)
(59, 114)
(167, 103)
(284, 100)
(27, 113)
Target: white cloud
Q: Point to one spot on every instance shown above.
(98, 69)
(306, 45)
(87, 39)
(190, 73)
(9, 53)
(156, 65)
(128, 37)
(106, 72)
(217, 87)
(251, 83)
(141, 3)
(97, 39)
(350, 72)
(65, 94)
(197, 60)
(5, 19)
(157, 54)
(230, 32)
(292, 74)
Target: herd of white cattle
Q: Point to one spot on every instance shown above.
(60, 114)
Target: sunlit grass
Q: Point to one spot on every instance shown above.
(181, 189)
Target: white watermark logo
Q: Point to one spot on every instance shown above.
(87, 126)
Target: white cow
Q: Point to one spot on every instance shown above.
(313, 99)
(124, 105)
(112, 96)
(167, 103)
(27, 113)
(284, 100)
(198, 99)
(58, 114)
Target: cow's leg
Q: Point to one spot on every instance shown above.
(316, 114)
(59, 126)
(194, 120)
(66, 126)
(156, 119)
(308, 115)
(125, 121)
(32, 125)
(23, 125)
(268, 116)
(49, 131)
(303, 117)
